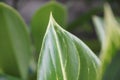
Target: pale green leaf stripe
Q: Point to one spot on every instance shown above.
(15, 48)
(65, 57)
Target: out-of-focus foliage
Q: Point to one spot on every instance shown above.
(6, 77)
(109, 34)
(15, 47)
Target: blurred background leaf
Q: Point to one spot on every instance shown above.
(110, 38)
(113, 69)
(100, 29)
(15, 47)
(6, 77)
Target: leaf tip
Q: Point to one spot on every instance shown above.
(106, 5)
(51, 16)
(51, 20)
(108, 10)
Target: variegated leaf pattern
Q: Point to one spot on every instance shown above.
(64, 57)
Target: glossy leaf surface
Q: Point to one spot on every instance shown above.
(15, 51)
(64, 57)
(40, 21)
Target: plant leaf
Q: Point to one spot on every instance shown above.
(6, 77)
(64, 57)
(111, 47)
(40, 21)
(112, 71)
(15, 51)
(99, 26)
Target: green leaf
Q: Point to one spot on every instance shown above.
(6, 77)
(40, 21)
(99, 28)
(109, 69)
(64, 57)
(113, 69)
(15, 50)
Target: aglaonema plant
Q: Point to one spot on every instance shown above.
(62, 55)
